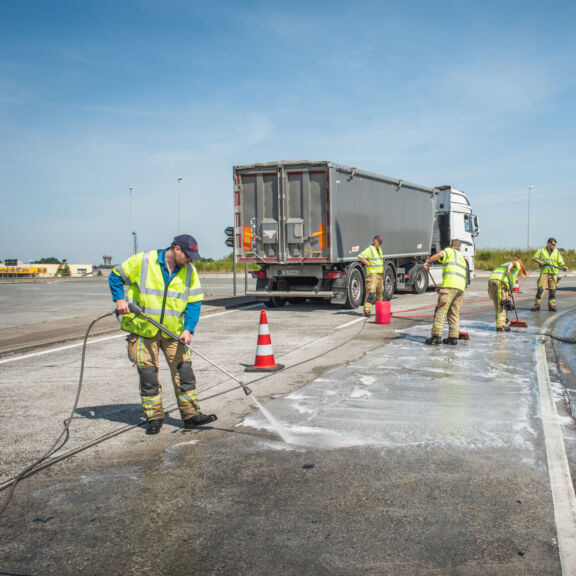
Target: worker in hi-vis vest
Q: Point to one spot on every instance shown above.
(450, 295)
(501, 283)
(550, 261)
(166, 286)
(373, 259)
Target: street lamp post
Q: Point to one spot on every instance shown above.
(131, 221)
(179, 206)
(528, 232)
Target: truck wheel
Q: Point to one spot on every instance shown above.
(389, 283)
(419, 280)
(276, 302)
(354, 289)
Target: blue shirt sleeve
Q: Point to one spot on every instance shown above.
(116, 285)
(192, 315)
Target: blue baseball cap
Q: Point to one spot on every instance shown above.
(188, 245)
(379, 238)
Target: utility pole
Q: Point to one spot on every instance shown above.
(132, 244)
(180, 205)
(528, 234)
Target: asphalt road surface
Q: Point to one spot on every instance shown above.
(379, 455)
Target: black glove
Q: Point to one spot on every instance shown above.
(507, 305)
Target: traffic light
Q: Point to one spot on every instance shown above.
(229, 236)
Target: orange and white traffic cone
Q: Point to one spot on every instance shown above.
(516, 287)
(264, 352)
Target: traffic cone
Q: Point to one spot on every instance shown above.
(264, 352)
(516, 287)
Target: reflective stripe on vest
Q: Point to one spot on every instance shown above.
(166, 304)
(555, 259)
(375, 260)
(455, 271)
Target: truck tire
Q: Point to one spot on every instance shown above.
(389, 282)
(276, 302)
(354, 289)
(419, 277)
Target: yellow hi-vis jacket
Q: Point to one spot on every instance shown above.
(165, 303)
(501, 274)
(375, 258)
(455, 270)
(554, 258)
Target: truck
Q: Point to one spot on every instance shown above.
(305, 223)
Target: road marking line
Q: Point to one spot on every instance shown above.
(563, 497)
(95, 341)
(349, 323)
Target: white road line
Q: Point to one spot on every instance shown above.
(349, 323)
(95, 341)
(563, 497)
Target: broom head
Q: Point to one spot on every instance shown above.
(518, 324)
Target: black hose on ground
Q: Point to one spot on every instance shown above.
(64, 435)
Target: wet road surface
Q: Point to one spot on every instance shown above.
(402, 459)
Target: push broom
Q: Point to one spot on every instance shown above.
(517, 323)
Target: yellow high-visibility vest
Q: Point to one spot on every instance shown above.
(554, 258)
(146, 287)
(375, 260)
(455, 270)
(500, 273)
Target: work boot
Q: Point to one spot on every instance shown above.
(366, 313)
(551, 308)
(503, 329)
(199, 420)
(535, 308)
(450, 340)
(154, 426)
(434, 340)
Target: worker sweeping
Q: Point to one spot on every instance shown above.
(450, 294)
(550, 261)
(500, 285)
(165, 285)
(373, 259)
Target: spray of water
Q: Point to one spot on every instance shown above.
(281, 430)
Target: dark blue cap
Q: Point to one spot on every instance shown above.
(188, 245)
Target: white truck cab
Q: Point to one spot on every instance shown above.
(455, 220)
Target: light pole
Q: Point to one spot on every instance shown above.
(179, 206)
(131, 221)
(528, 233)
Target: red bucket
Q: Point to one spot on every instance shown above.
(383, 312)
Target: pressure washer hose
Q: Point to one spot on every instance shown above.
(65, 430)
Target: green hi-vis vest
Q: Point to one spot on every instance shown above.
(455, 270)
(555, 258)
(146, 287)
(375, 259)
(501, 275)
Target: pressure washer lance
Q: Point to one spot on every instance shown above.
(135, 309)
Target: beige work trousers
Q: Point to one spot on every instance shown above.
(374, 284)
(498, 291)
(448, 308)
(145, 354)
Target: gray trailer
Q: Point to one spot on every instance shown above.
(305, 223)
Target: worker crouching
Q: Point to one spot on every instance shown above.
(166, 286)
(500, 286)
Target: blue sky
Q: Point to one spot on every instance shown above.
(100, 95)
